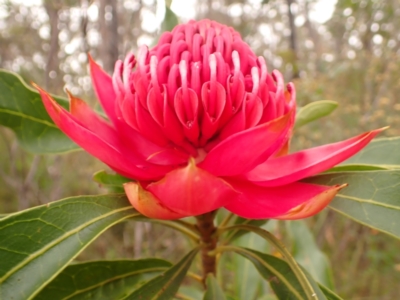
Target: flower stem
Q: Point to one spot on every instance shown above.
(206, 227)
(226, 220)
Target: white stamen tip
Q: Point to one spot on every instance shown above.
(153, 67)
(256, 79)
(142, 55)
(183, 72)
(236, 61)
(263, 66)
(213, 65)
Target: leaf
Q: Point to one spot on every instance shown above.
(372, 198)
(113, 181)
(329, 294)
(170, 20)
(307, 253)
(313, 111)
(235, 234)
(279, 275)
(190, 292)
(44, 239)
(22, 110)
(247, 281)
(294, 267)
(165, 286)
(106, 179)
(383, 153)
(214, 291)
(354, 167)
(102, 280)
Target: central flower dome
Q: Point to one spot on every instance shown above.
(201, 84)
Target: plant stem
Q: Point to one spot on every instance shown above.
(206, 227)
(226, 220)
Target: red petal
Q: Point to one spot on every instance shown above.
(213, 96)
(236, 124)
(147, 126)
(296, 166)
(313, 205)
(172, 128)
(149, 151)
(110, 153)
(128, 112)
(192, 191)
(148, 205)
(186, 106)
(89, 119)
(293, 201)
(169, 121)
(254, 110)
(245, 150)
(102, 84)
(169, 156)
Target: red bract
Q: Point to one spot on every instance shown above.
(200, 124)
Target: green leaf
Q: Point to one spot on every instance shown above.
(313, 111)
(170, 20)
(383, 152)
(113, 181)
(354, 167)
(247, 280)
(372, 198)
(329, 294)
(106, 179)
(190, 292)
(296, 269)
(102, 280)
(43, 240)
(165, 286)
(279, 275)
(235, 234)
(214, 291)
(22, 110)
(307, 253)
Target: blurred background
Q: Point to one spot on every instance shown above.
(344, 50)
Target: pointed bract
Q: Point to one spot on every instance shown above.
(104, 89)
(192, 191)
(293, 167)
(313, 205)
(288, 202)
(147, 204)
(92, 143)
(245, 150)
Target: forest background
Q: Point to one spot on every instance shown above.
(350, 55)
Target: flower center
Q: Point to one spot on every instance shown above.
(199, 85)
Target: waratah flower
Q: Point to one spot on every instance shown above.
(198, 123)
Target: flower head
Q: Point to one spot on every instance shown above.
(200, 124)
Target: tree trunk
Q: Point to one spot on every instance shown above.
(52, 64)
(314, 37)
(108, 21)
(293, 40)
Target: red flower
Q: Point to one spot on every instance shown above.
(200, 124)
